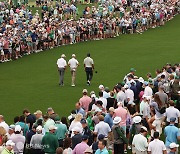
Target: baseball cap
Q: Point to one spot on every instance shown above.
(39, 128)
(85, 137)
(93, 96)
(10, 143)
(17, 128)
(145, 83)
(12, 127)
(173, 145)
(85, 91)
(137, 119)
(73, 55)
(83, 121)
(63, 56)
(49, 109)
(172, 119)
(144, 128)
(111, 109)
(141, 80)
(101, 137)
(132, 70)
(126, 86)
(52, 127)
(38, 112)
(117, 120)
(101, 86)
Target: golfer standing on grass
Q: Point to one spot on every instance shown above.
(89, 67)
(73, 64)
(61, 63)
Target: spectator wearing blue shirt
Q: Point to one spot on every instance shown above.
(172, 133)
(108, 118)
(79, 109)
(102, 148)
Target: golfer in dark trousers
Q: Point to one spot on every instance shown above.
(89, 67)
(61, 63)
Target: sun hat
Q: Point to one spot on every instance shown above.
(17, 128)
(101, 86)
(117, 120)
(137, 119)
(73, 55)
(10, 143)
(126, 86)
(63, 56)
(141, 80)
(52, 127)
(173, 145)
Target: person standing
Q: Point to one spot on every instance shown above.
(73, 64)
(61, 63)
(89, 67)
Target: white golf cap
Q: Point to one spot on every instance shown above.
(63, 56)
(10, 143)
(101, 86)
(117, 120)
(173, 145)
(17, 128)
(85, 91)
(52, 127)
(126, 86)
(141, 80)
(73, 55)
(111, 109)
(93, 96)
(39, 128)
(137, 119)
(76, 129)
(38, 112)
(144, 128)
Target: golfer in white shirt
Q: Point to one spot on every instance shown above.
(61, 63)
(73, 64)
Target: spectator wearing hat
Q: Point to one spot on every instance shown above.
(9, 147)
(61, 64)
(104, 100)
(19, 140)
(140, 142)
(79, 109)
(102, 89)
(61, 132)
(87, 131)
(121, 96)
(89, 67)
(95, 144)
(36, 140)
(129, 93)
(81, 147)
(11, 131)
(147, 89)
(119, 136)
(77, 138)
(54, 116)
(85, 100)
(102, 147)
(3, 123)
(132, 72)
(109, 117)
(172, 133)
(121, 112)
(50, 141)
(173, 148)
(47, 122)
(30, 118)
(171, 111)
(156, 146)
(73, 64)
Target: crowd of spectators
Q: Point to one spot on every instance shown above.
(132, 116)
(57, 24)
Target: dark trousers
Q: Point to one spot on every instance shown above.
(89, 73)
(119, 148)
(61, 76)
(37, 151)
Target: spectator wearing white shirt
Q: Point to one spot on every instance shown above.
(156, 146)
(171, 111)
(61, 63)
(102, 127)
(147, 90)
(121, 97)
(73, 64)
(140, 142)
(3, 123)
(104, 100)
(129, 93)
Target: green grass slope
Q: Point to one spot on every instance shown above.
(32, 82)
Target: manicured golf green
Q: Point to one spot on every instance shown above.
(32, 81)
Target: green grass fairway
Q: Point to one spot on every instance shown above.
(32, 82)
